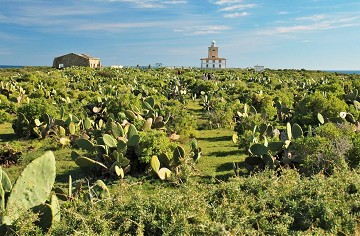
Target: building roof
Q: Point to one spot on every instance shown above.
(213, 58)
(80, 55)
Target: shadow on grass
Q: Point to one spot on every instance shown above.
(225, 153)
(225, 167)
(216, 139)
(7, 137)
(75, 173)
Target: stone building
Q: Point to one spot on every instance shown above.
(73, 59)
(213, 60)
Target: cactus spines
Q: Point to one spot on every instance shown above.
(32, 187)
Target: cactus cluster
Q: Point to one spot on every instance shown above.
(149, 115)
(283, 112)
(272, 154)
(163, 165)
(107, 154)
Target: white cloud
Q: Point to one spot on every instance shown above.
(311, 18)
(117, 26)
(283, 13)
(313, 23)
(150, 3)
(175, 2)
(236, 14)
(223, 2)
(203, 30)
(238, 7)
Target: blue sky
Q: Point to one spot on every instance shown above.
(310, 34)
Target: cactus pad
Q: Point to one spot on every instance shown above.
(32, 187)
(164, 173)
(155, 164)
(85, 144)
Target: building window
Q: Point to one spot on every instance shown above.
(213, 61)
(213, 65)
(207, 65)
(219, 61)
(207, 61)
(220, 66)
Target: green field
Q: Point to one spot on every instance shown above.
(297, 152)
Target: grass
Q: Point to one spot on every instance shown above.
(6, 133)
(219, 152)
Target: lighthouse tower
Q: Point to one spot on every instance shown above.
(213, 61)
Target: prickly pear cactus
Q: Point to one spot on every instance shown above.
(32, 188)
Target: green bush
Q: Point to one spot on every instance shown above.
(306, 110)
(261, 204)
(4, 117)
(181, 121)
(154, 142)
(6, 105)
(26, 114)
(319, 154)
(353, 155)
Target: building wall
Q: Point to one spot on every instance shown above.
(94, 63)
(213, 63)
(213, 52)
(75, 60)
